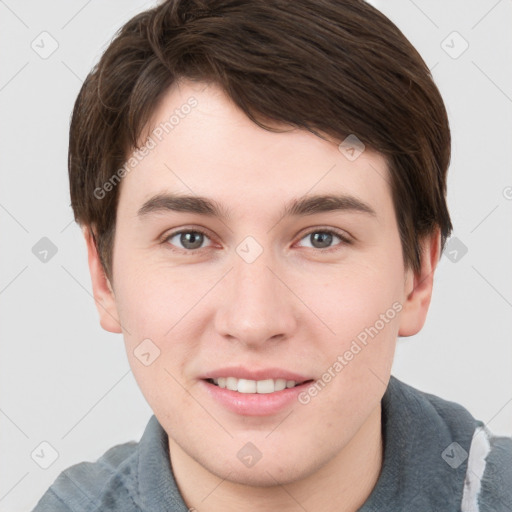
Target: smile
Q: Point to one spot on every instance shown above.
(254, 386)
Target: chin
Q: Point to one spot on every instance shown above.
(264, 475)
(275, 467)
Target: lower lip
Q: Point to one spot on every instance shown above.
(254, 404)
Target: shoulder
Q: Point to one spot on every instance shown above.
(99, 485)
(486, 459)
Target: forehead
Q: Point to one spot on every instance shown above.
(198, 142)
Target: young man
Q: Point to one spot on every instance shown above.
(261, 186)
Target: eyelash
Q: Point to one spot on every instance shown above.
(344, 240)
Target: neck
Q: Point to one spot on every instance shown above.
(343, 484)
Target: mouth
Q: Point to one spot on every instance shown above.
(248, 386)
(252, 391)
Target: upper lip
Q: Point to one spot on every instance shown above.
(240, 372)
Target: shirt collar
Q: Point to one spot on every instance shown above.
(158, 491)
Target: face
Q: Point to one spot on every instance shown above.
(257, 296)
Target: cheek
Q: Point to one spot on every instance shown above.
(154, 306)
(362, 308)
(153, 298)
(160, 307)
(354, 297)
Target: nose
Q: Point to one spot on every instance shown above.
(258, 304)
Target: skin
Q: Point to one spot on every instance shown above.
(295, 307)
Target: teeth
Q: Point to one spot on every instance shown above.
(264, 386)
(231, 383)
(280, 384)
(254, 386)
(246, 386)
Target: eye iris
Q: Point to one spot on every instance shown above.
(191, 237)
(323, 237)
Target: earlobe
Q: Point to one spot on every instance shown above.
(418, 287)
(102, 290)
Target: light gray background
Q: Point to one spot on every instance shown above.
(67, 382)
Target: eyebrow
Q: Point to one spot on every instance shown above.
(302, 206)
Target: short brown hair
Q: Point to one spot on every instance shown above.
(336, 67)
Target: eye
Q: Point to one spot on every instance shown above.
(322, 239)
(190, 239)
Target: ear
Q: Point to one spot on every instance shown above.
(102, 290)
(418, 287)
